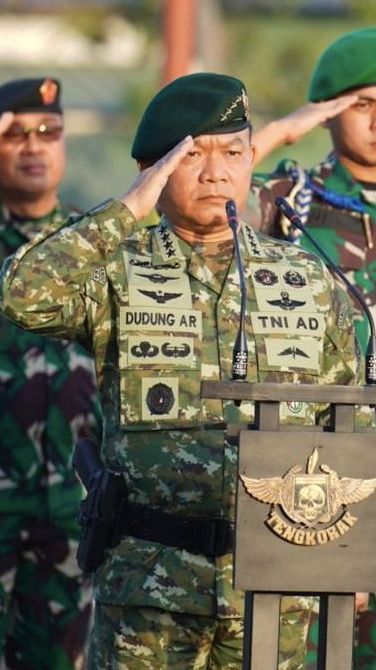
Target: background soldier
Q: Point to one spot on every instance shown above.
(158, 307)
(336, 199)
(47, 399)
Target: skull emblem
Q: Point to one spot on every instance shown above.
(311, 502)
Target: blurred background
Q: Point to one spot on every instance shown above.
(113, 56)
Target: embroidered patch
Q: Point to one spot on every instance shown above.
(98, 274)
(287, 353)
(293, 409)
(290, 324)
(160, 398)
(343, 316)
(166, 351)
(265, 277)
(174, 320)
(297, 300)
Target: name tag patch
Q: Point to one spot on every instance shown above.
(176, 320)
(291, 324)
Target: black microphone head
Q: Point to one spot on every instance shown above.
(289, 212)
(231, 209)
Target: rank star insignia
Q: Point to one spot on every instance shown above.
(266, 277)
(285, 302)
(314, 501)
(48, 91)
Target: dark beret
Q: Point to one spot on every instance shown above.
(30, 95)
(350, 62)
(196, 104)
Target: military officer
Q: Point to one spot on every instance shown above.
(47, 400)
(158, 307)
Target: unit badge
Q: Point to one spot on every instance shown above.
(294, 278)
(160, 399)
(48, 91)
(315, 503)
(266, 277)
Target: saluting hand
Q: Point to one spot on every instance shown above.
(6, 120)
(291, 128)
(145, 191)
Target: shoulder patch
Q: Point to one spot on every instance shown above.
(98, 274)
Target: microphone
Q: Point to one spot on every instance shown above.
(370, 367)
(240, 351)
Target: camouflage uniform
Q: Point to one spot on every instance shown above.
(48, 399)
(339, 211)
(341, 214)
(151, 309)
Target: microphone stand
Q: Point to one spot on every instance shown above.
(240, 351)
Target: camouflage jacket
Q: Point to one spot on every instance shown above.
(340, 212)
(47, 399)
(158, 322)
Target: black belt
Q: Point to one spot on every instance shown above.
(209, 536)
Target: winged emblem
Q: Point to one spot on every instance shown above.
(157, 278)
(144, 350)
(310, 498)
(294, 352)
(175, 351)
(159, 296)
(285, 302)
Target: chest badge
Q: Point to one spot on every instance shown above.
(266, 277)
(294, 278)
(285, 302)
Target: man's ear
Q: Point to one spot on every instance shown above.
(252, 151)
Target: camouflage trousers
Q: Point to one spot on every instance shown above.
(136, 638)
(364, 655)
(45, 603)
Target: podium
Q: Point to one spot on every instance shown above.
(305, 514)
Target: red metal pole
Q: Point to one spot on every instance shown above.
(180, 21)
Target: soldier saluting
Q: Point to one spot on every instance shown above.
(164, 595)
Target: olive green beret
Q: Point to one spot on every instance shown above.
(196, 104)
(350, 62)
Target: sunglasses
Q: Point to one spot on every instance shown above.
(47, 132)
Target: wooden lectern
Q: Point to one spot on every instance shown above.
(305, 515)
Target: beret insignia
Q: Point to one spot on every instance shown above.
(48, 91)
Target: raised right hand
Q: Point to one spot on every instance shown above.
(145, 191)
(6, 120)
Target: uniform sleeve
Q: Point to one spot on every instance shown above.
(264, 191)
(342, 363)
(43, 286)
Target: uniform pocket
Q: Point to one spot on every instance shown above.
(160, 367)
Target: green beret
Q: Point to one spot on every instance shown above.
(196, 104)
(30, 95)
(350, 62)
